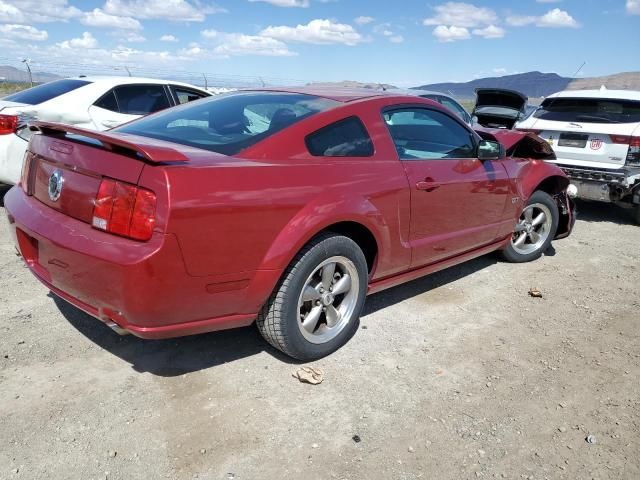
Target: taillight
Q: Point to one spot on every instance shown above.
(26, 170)
(633, 155)
(8, 124)
(124, 209)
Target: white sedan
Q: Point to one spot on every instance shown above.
(97, 103)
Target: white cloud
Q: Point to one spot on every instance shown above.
(132, 37)
(33, 11)
(168, 38)
(451, 34)
(489, 32)
(461, 15)
(175, 10)
(555, 18)
(387, 30)
(9, 13)
(86, 41)
(520, 20)
(236, 44)
(363, 20)
(98, 18)
(24, 32)
(286, 3)
(317, 31)
(633, 7)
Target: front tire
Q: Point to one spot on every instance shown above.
(316, 306)
(535, 230)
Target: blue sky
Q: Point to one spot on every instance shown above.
(405, 42)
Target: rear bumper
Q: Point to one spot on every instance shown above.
(142, 287)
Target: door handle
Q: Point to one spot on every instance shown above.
(428, 185)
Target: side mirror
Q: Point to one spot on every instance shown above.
(488, 150)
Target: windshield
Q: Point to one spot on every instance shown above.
(229, 123)
(46, 91)
(589, 110)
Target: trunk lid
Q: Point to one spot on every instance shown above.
(13, 106)
(499, 108)
(65, 165)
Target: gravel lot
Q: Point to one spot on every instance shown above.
(458, 375)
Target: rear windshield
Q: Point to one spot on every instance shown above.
(229, 123)
(46, 91)
(589, 110)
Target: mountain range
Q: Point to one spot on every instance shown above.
(12, 74)
(537, 84)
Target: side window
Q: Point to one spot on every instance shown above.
(108, 101)
(141, 99)
(422, 134)
(346, 138)
(185, 95)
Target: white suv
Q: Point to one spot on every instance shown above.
(596, 137)
(96, 103)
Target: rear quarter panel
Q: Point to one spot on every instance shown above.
(255, 213)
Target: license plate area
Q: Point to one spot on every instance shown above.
(574, 140)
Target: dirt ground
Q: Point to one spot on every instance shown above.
(458, 375)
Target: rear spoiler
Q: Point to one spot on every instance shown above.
(149, 149)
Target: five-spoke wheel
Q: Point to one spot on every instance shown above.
(534, 230)
(316, 307)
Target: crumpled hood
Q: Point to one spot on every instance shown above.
(519, 144)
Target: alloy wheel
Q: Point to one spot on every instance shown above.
(328, 299)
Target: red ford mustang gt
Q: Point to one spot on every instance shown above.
(280, 207)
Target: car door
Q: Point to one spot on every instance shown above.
(457, 200)
(128, 102)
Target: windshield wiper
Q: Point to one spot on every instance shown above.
(595, 118)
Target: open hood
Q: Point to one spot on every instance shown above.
(499, 108)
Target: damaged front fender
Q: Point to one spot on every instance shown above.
(567, 211)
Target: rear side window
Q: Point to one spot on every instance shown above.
(108, 101)
(589, 110)
(46, 91)
(141, 99)
(185, 95)
(346, 138)
(229, 123)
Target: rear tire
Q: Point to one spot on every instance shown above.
(316, 306)
(535, 230)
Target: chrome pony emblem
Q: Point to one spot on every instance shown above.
(56, 182)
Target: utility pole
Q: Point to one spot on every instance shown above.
(26, 62)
